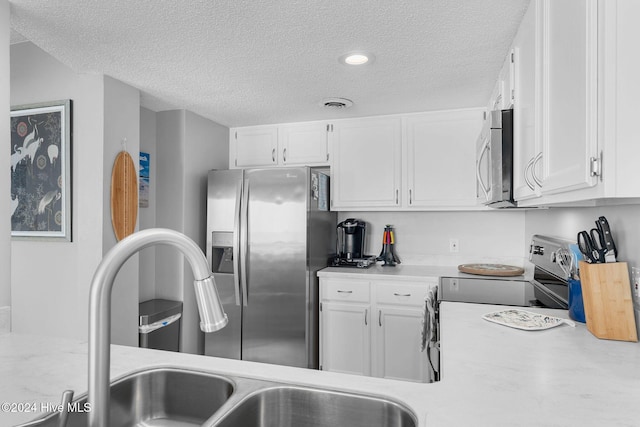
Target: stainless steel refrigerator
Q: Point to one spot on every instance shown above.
(268, 233)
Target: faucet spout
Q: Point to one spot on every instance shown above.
(212, 315)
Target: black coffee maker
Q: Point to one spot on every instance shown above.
(350, 244)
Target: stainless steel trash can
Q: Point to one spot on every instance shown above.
(159, 325)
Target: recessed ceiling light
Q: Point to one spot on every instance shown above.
(356, 58)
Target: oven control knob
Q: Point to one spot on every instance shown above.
(537, 250)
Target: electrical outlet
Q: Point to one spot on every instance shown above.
(453, 245)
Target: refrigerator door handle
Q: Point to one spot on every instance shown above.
(244, 243)
(236, 244)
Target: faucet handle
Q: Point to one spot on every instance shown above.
(67, 397)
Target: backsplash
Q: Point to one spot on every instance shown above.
(422, 238)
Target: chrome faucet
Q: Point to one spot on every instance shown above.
(212, 316)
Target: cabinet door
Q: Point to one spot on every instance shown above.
(303, 144)
(525, 112)
(345, 338)
(441, 158)
(366, 163)
(255, 146)
(569, 65)
(397, 348)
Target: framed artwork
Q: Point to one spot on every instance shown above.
(143, 193)
(41, 171)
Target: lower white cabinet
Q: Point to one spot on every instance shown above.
(397, 344)
(346, 341)
(373, 327)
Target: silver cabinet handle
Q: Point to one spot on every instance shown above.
(533, 169)
(397, 191)
(401, 295)
(410, 197)
(380, 317)
(284, 155)
(273, 155)
(366, 312)
(344, 292)
(526, 174)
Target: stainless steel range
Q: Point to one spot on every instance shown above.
(548, 287)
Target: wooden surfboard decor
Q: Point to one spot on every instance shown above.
(124, 196)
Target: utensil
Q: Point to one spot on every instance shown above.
(592, 246)
(564, 258)
(608, 242)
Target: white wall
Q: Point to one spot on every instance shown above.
(147, 216)
(206, 148)
(169, 213)
(422, 238)
(50, 280)
(188, 146)
(5, 220)
(121, 122)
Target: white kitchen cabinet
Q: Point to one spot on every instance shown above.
(440, 158)
(303, 144)
(366, 164)
(345, 326)
(346, 338)
(289, 144)
(375, 334)
(569, 95)
(527, 147)
(254, 146)
(397, 323)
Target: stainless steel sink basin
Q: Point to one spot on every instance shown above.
(158, 397)
(171, 397)
(309, 407)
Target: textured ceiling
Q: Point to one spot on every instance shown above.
(245, 62)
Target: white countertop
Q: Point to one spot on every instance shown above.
(492, 375)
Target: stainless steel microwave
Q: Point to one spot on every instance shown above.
(494, 161)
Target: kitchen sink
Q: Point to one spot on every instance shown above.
(309, 407)
(172, 397)
(157, 397)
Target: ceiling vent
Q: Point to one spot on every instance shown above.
(336, 103)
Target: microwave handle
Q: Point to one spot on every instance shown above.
(485, 148)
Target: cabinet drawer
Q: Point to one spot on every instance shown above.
(411, 294)
(345, 290)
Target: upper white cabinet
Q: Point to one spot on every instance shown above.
(292, 144)
(418, 161)
(366, 165)
(304, 144)
(579, 141)
(254, 146)
(440, 158)
(527, 148)
(569, 94)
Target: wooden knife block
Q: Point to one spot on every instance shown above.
(608, 306)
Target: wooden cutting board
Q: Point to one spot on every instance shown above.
(491, 269)
(608, 307)
(124, 195)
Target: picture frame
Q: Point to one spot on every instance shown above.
(41, 138)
